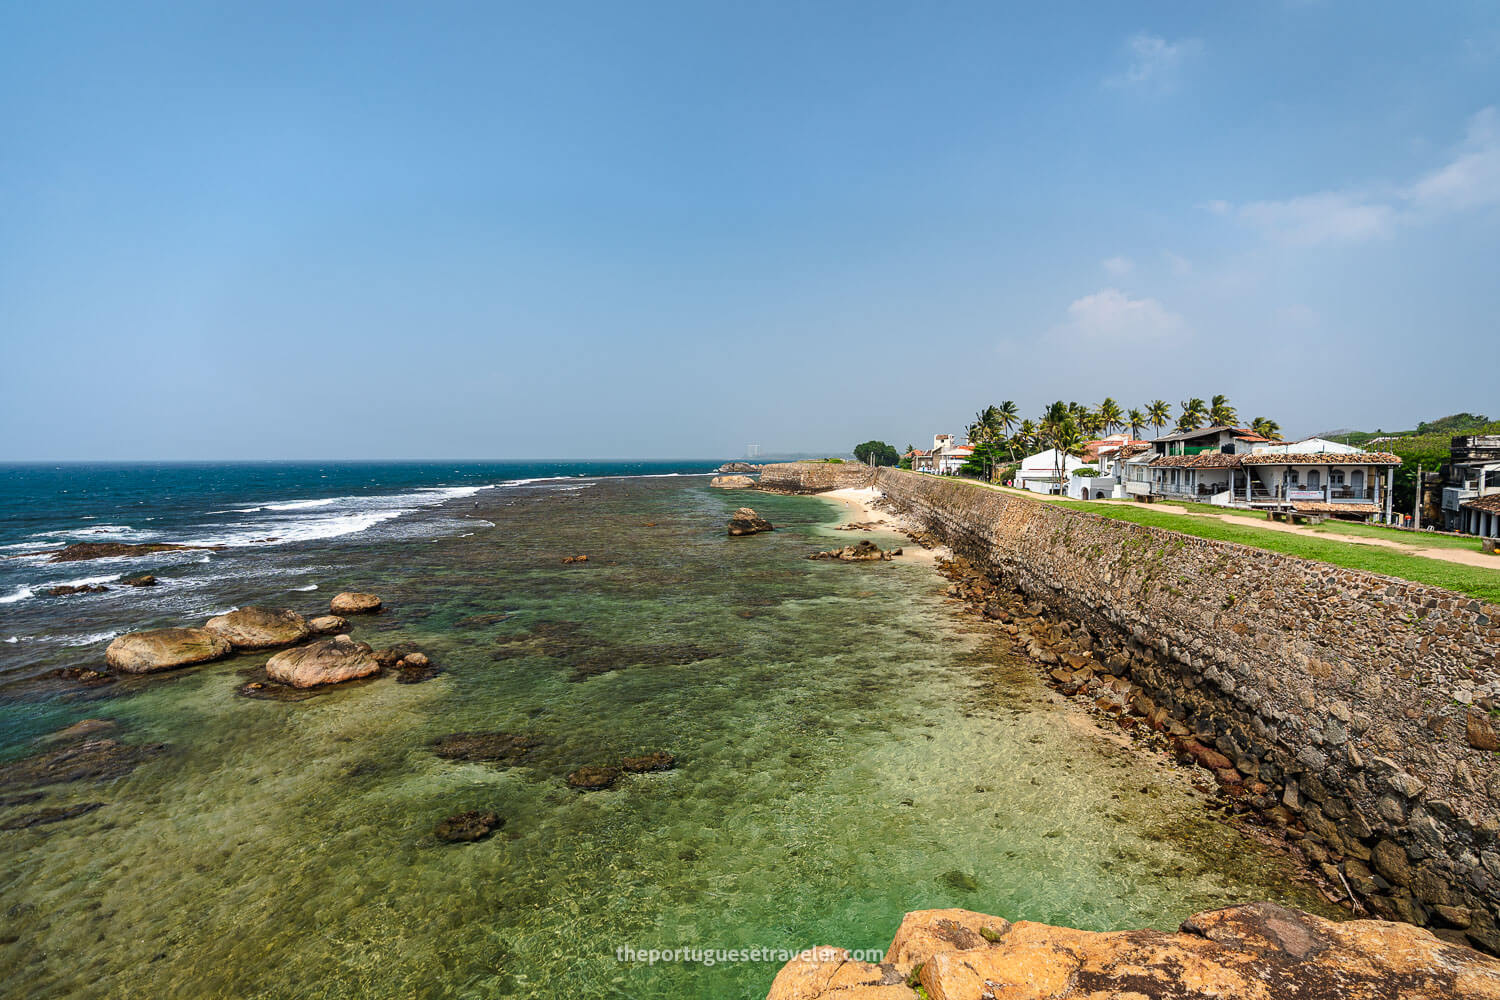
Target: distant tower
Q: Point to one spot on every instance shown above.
(752, 451)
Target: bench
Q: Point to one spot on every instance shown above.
(1294, 517)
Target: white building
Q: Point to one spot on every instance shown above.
(1038, 473)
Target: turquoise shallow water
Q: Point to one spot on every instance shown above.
(850, 748)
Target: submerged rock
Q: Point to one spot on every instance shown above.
(65, 590)
(488, 748)
(52, 814)
(165, 648)
(568, 560)
(88, 760)
(657, 760)
(326, 624)
(260, 628)
(731, 482)
(593, 778)
(1253, 952)
(84, 675)
(354, 603)
(746, 522)
(79, 551)
(139, 580)
(865, 551)
(327, 661)
(467, 827)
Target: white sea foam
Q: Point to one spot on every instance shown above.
(310, 586)
(19, 594)
(86, 640)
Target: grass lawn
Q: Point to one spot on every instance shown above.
(1472, 580)
(1336, 527)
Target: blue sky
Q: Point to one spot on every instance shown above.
(661, 230)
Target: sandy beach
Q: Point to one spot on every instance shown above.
(860, 508)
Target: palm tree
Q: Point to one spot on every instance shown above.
(1026, 435)
(1194, 412)
(1052, 428)
(1266, 428)
(1158, 412)
(1067, 439)
(1007, 414)
(1220, 413)
(1091, 422)
(1137, 420)
(1111, 415)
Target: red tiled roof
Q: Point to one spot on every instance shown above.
(1205, 460)
(1489, 504)
(1252, 438)
(1318, 507)
(1326, 458)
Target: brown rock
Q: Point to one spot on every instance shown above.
(1481, 731)
(165, 648)
(593, 778)
(106, 550)
(468, 826)
(139, 580)
(746, 522)
(327, 661)
(326, 624)
(65, 590)
(567, 560)
(260, 628)
(354, 603)
(731, 482)
(1260, 951)
(658, 760)
(414, 661)
(924, 933)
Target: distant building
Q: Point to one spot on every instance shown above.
(944, 459)
(1472, 473)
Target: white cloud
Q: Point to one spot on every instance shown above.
(1470, 180)
(1112, 315)
(1118, 266)
(1154, 64)
(1319, 218)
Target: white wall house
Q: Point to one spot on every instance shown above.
(1038, 473)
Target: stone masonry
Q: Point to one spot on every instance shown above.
(1360, 700)
(815, 477)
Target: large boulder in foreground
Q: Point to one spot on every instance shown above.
(746, 522)
(1260, 951)
(327, 661)
(260, 628)
(732, 482)
(354, 603)
(165, 648)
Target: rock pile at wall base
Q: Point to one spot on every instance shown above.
(1259, 951)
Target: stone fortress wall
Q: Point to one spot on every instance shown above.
(1358, 701)
(815, 477)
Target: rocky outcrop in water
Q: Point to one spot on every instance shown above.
(657, 760)
(865, 551)
(468, 827)
(737, 468)
(260, 628)
(326, 624)
(1260, 951)
(487, 747)
(593, 778)
(64, 590)
(84, 760)
(746, 522)
(79, 551)
(327, 661)
(165, 648)
(731, 482)
(139, 580)
(354, 603)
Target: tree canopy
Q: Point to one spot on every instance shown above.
(876, 453)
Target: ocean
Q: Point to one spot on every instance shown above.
(850, 745)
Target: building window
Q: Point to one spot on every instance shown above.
(1335, 477)
(1291, 476)
(1357, 480)
(1313, 480)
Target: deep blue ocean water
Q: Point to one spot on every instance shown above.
(272, 520)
